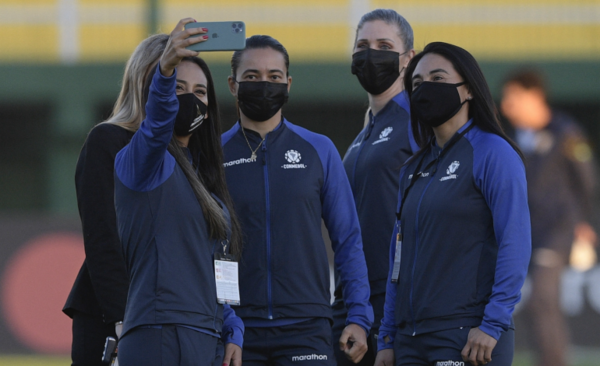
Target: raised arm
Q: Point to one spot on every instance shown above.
(143, 164)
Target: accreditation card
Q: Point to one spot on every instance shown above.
(227, 279)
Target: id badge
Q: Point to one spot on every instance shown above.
(397, 258)
(227, 279)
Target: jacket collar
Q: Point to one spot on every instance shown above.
(255, 136)
(400, 99)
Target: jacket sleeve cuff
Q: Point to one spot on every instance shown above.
(235, 336)
(364, 321)
(165, 84)
(490, 330)
(383, 333)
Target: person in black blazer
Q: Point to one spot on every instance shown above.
(97, 300)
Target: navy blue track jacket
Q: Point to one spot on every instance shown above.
(280, 198)
(466, 240)
(165, 239)
(373, 164)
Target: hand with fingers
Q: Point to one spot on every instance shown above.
(479, 347)
(385, 357)
(354, 342)
(233, 355)
(176, 49)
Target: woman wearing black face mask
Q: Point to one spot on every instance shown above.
(462, 239)
(283, 179)
(382, 50)
(173, 213)
(97, 301)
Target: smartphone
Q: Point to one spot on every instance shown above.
(110, 351)
(222, 36)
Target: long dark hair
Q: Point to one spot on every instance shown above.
(206, 173)
(481, 107)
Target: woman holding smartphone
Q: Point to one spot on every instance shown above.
(462, 240)
(284, 180)
(174, 214)
(97, 301)
(382, 49)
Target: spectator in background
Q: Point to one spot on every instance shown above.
(560, 180)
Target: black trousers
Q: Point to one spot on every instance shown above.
(89, 335)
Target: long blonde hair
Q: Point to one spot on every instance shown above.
(129, 110)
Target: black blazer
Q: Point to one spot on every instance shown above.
(101, 286)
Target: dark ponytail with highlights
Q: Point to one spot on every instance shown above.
(206, 173)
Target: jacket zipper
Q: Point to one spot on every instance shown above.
(362, 144)
(268, 213)
(412, 279)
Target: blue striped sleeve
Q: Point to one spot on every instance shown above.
(233, 327)
(144, 163)
(341, 220)
(500, 175)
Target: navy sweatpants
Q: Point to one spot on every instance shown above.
(307, 343)
(169, 345)
(443, 348)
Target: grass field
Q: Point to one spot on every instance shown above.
(18, 360)
(578, 357)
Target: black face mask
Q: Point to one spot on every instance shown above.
(260, 100)
(435, 103)
(190, 115)
(376, 70)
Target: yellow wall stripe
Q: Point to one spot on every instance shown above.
(313, 30)
(114, 43)
(502, 42)
(29, 43)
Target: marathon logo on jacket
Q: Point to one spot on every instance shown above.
(238, 162)
(293, 157)
(383, 136)
(450, 363)
(450, 171)
(312, 357)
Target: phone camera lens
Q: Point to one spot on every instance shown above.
(237, 27)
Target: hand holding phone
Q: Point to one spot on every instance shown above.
(176, 49)
(221, 36)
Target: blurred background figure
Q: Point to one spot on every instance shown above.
(560, 179)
